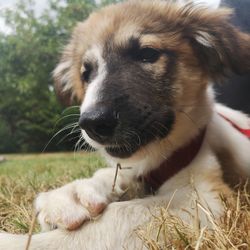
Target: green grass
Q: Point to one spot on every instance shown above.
(23, 176)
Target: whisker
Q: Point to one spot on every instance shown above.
(66, 116)
(73, 131)
(77, 144)
(138, 137)
(160, 132)
(70, 108)
(194, 123)
(73, 138)
(60, 131)
(84, 143)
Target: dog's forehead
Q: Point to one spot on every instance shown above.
(112, 34)
(116, 26)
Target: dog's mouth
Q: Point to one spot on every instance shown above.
(127, 140)
(121, 151)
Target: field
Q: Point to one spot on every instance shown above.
(23, 176)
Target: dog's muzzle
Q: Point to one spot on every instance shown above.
(124, 129)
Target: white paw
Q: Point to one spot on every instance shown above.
(70, 206)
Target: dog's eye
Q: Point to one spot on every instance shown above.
(85, 74)
(148, 55)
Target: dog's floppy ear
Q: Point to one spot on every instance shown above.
(220, 47)
(68, 84)
(62, 76)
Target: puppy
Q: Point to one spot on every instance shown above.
(142, 71)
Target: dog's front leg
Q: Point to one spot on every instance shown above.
(114, 230)
(71, 205)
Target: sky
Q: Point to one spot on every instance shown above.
(40, 5)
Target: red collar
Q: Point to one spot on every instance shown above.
(243, 131)
(175, 163)
(180, 159)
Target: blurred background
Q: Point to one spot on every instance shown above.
(32, 35)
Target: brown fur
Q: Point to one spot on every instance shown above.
(189, 30)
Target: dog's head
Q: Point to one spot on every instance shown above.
(135, 66)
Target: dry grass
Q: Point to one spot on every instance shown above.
(22, 177)
(231, 232)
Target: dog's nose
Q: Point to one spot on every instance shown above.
(99, 123)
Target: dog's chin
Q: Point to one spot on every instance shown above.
(117, 151)
(124, 149)
(121, 152)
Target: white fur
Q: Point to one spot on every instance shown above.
(224, 136)
(204, 38)
(237, 117)
(94, 88)
(211, 3)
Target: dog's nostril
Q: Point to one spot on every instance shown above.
(99, 124)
